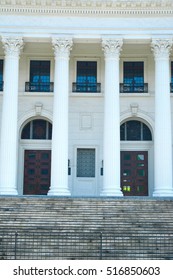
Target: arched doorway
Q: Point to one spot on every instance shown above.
(134, 161)
(37, 156)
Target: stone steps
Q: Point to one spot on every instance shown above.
(125, 224)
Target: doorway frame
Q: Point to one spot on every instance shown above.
(142, 146)
(97, 168)
(28, 145)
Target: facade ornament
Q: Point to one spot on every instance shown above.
(88, 7)
(38, 108)
(112, 47)
(12, 46)
(161, 47)
(62, 47)
(134, 108)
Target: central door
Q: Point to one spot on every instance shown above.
(134, 173)
(85, 177)
(37, 169)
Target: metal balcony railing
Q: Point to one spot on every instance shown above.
(134, 88)
(39, 87)
(1, 85)
(86, 87)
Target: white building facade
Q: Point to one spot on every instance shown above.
(86, 98)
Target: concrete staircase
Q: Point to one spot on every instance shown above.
(86, 228)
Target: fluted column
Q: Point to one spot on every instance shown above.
(8, 145)
(111, 185)
(59, 164)
(162, 135)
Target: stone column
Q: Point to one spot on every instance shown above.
(162, 136)
(111, 185)
(8, 145)
(59, 164)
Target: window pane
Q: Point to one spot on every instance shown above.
(86, 72)
(39, 129)
(134, 72)
(146, 133)
(1, 70)
(133, 130)
(39, 71)
(49, 131)
(122, 132)
(26, 132)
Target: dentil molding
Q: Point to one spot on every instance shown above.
(88, 7)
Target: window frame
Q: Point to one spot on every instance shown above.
(74, 76)
(31, 130)
(39, 58)
(141, 131)
(134, 59)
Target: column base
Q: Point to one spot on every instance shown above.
(8, 191)
(111, 191)
(163, 192)
(59, 191)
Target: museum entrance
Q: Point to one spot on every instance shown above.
(37, 168)
(134, 173)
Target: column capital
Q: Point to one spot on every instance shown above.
(161, 48)
(112, 47)
(12, 45)
(62, 47)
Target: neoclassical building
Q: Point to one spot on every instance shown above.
(86, 98)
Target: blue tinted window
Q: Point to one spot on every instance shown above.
(134, 72)
(39, 71)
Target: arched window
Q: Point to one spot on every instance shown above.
(135, 131)
(37, 129)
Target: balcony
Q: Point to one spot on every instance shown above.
(39, 87)
(86, 87)
(134, 88)
(171, 87)
(1, 85)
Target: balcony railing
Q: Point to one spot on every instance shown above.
(1, 86)
(86, 87)
(134, 88)
(171, 87)
(39, 87)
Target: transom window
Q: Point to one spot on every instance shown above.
(133, 79)
(39, 77)
(37, 129)
(135, 131)
(1, 74)
(86, 77)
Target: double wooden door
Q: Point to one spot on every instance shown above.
(134, 173)
(37, 168)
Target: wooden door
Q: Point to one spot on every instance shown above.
(37, 169)
(134, 173)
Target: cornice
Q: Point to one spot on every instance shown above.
(88, 7)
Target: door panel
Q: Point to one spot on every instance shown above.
(37, 169)
(85, 177)
(134, 173)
